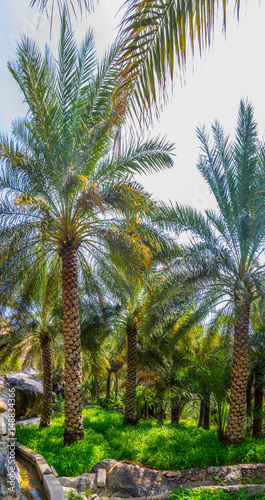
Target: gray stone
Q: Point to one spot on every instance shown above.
(28, 392)
(212, 470)
(52, 488)
(107, 464)
(135, 481)
(42, 467)
(80, 483)
(234, 477)
(101, 478)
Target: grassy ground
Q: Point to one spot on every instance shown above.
(188, 494)
(161, 447)
(209, 494)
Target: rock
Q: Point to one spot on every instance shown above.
(173, 476)
(101, 478)
(198, 477)
(234, 477)
(212, 470)
(28, 392)
(107, 464)
(54, 471)
(80, 483)
(3, 406)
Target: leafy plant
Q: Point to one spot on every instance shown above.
(58, 404)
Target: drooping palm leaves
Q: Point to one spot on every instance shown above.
(153, 42)
(154, 38)
(63, 190)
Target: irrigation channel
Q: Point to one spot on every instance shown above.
(30, 486)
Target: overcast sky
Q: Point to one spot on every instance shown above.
(232, 69)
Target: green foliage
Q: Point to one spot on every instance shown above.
(143, 395)
(209, 494)
(162, 447)
(58, 404)
(10, 365)
(104, 402)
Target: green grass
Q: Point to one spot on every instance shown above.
(161, 447)
(209, 494)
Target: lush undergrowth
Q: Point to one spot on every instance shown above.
(209, 494)
(160, 447)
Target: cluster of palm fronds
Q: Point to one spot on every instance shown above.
(90, 261)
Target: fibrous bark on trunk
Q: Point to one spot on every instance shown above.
(72, 346)
(201, 417)
(116, 386)
(258, 404)
(160, 412)
(176, 410)
(108, 386)
(46, 407)
(130, 396)
(249, 401)
(97, 389)
(206, 414)
(234, 432)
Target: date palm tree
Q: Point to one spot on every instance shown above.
(256, 367)
(35, 333)
(63, 189)
(221, 263)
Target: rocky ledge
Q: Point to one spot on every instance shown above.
(128, 480)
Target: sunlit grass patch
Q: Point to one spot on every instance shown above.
(161, 447)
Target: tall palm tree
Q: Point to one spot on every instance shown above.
(221, 263)
(64, 190)
(257, 367)
(35, 333)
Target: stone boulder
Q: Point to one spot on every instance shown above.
(28, 392)
(79, 483)
(129, 480)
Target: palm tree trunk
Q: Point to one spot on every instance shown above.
(46, 407)
(116, 386)
(201, 417)
(249, 401)
(130, 396)
(234, 432)
(72, 347)
(108, 387)
(258, 404)
(97, 389)
(160, 412)
(176, 410)
(206, 415)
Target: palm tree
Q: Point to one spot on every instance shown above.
(35, 333)
(63, 189)
(257, 367)
(221, 263)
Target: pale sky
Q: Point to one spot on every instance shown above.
(232, 69)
